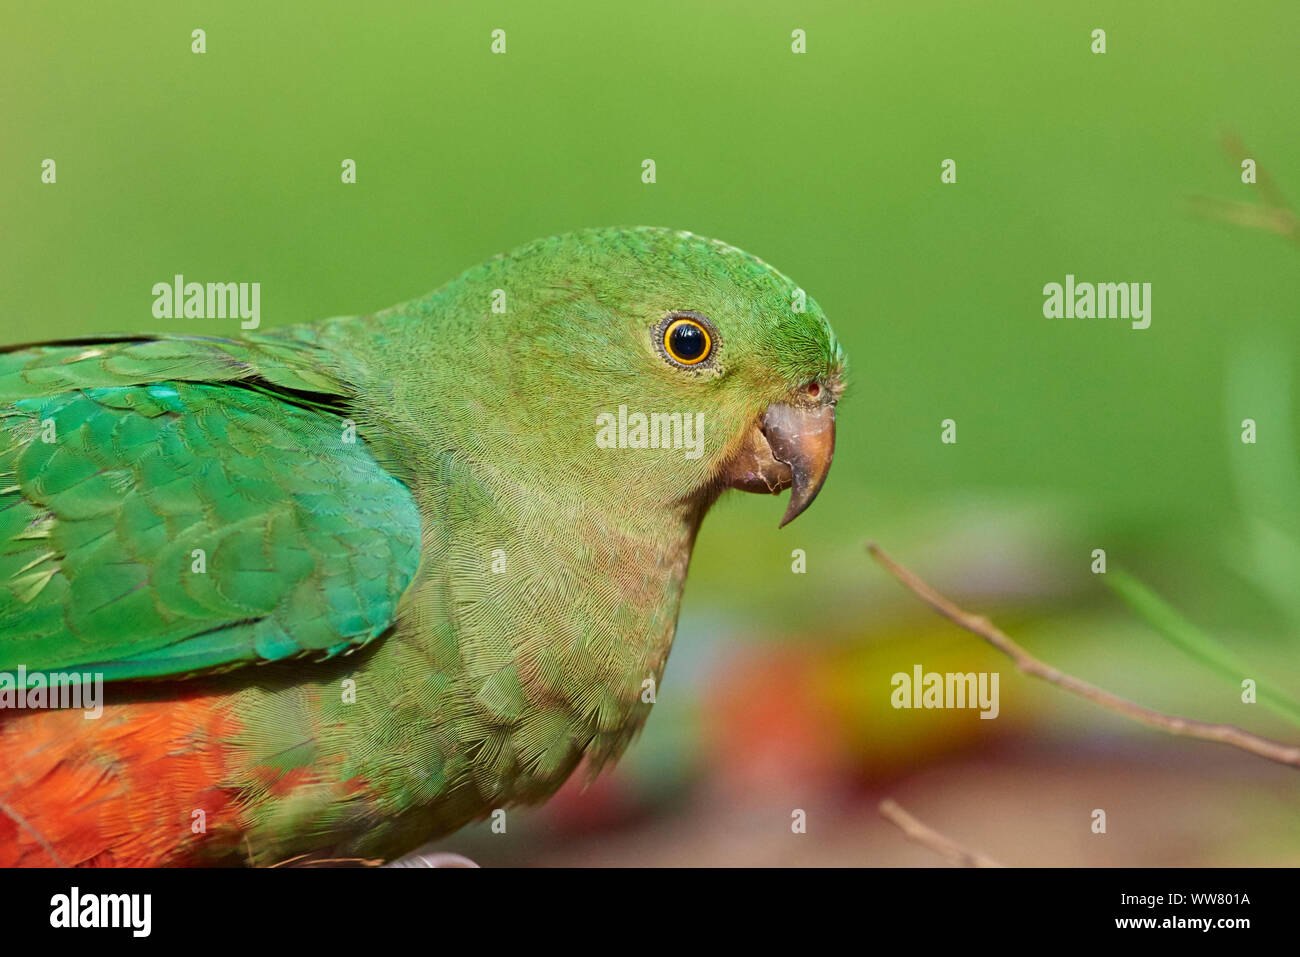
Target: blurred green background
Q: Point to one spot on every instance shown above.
(1072, 434)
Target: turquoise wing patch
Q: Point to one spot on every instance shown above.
(177, 527)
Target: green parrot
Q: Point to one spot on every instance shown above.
(353, 584)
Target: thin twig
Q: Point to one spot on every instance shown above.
(292, 861)
(361, 861)
(1250, 215)
(929, 837)
(1268, 188)
(1274, 215)
(1028, 664)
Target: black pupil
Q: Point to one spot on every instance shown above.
(688, 341)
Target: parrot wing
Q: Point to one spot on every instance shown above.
(172, 505)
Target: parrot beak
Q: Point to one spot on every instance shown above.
(790, 447)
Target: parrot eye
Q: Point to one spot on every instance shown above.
(686, 339)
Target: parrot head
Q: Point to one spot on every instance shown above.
(642, 368)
